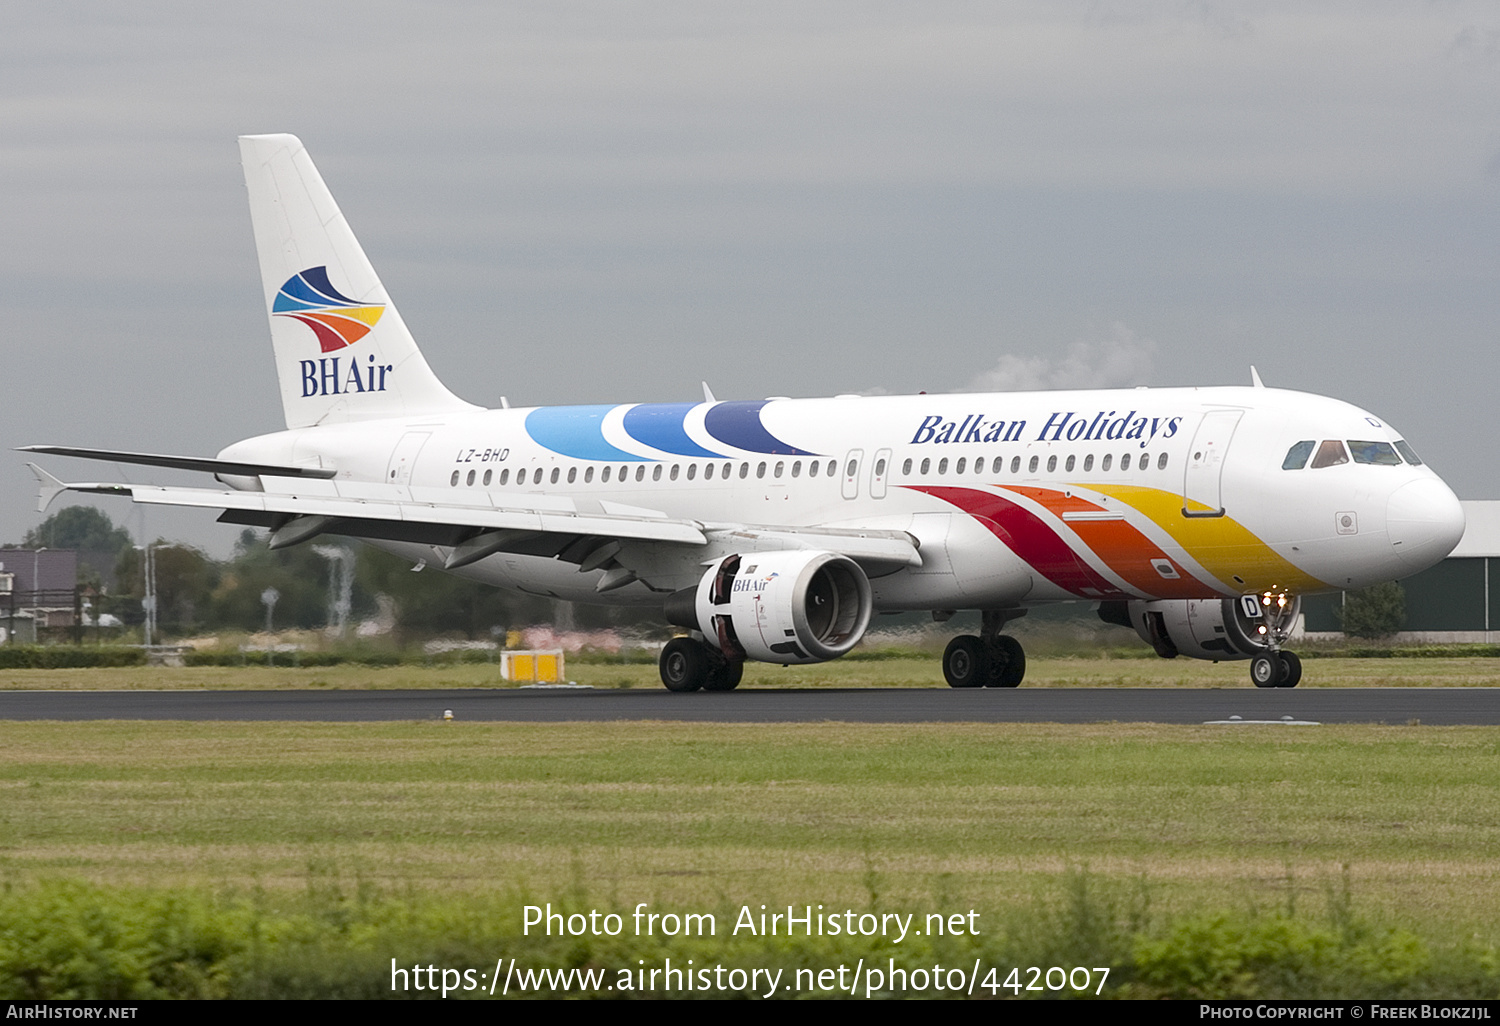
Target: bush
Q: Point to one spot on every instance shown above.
(1374, 612)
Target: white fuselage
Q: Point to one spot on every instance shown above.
(1012, 497)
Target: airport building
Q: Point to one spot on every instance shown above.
(1456, 601)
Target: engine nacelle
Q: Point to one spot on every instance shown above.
(798, 606)
(1209, 628)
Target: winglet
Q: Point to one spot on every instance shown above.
(50, 487)
(1255, 377)
(708, 393)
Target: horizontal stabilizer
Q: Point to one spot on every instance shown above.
(208, 466)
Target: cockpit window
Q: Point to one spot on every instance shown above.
(1296, 456)
(1330, 454)
(1408, 453)
(1380, 453)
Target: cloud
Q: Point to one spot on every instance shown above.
(1119, 359)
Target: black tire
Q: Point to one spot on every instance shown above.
(1266, 670)
(1007, 662)
(1291, 670)
(725, 677)
(965, 662)
(684, 665)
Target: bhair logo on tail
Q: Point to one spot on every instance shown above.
(337, 320)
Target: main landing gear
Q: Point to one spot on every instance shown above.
(991, 660)
(1276, 670)
(688, 664)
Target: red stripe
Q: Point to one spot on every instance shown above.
(1030, 538)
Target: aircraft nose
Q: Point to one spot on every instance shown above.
(1425, 522)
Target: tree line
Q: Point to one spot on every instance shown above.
(196, 593)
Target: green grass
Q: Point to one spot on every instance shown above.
(904, 671)
(688, 812)
(1195, 860)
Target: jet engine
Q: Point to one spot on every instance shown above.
(1237, 628)
(798, 606)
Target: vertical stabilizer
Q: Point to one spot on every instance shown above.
(342, 351)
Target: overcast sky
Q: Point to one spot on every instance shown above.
(589, 202)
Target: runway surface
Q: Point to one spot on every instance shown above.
(1476, 706)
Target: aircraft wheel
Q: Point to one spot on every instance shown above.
(684, 665)
(1266, 670)
(1291, 670)
(1007, 662)
(725, 677)
(965, 662)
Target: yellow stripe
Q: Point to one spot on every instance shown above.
(1222, 546)
(368, 314)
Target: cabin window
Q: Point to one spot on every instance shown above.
(1015, 465)
(1104, 463)
(926, 466)
(942, 466)
(453, 481)
(779, 466)
(1125, 462)
(708, 471)
(1330, 454)
(673, 474)
(832, 468)
(1035, 461)
(905, 467)
(656, 472)
(812, 468)
(556, 473)
(979, 465)
(1069, 465)
(879, 469)
(1408, 453)
(1051, 464)
(692, 471)
(470, 479)
(1088, 463)
(958, 468)
(797, 469)
(521, 476)
(1161, 462)
(760, 471)
(1296, 456)
(572, 475)
(604, 475)
(488, 476)
(640, 472)
(1382, 454)
(727, 468)
(744, 471)
(504, 477)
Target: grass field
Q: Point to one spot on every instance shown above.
(894, 672)
(690, 813)
(1352, 831)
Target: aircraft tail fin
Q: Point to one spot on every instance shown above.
(343, 352)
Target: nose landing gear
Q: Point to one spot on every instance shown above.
(1274, 668)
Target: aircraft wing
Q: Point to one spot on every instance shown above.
(297, 509)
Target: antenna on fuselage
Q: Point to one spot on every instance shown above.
(708, 393)
(1255, 377)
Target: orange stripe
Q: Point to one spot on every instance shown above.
(1125, 550)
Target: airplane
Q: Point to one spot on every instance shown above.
(775, 529)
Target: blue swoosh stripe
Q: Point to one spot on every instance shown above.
(576, 431)
(738, 424)
(659, 425)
